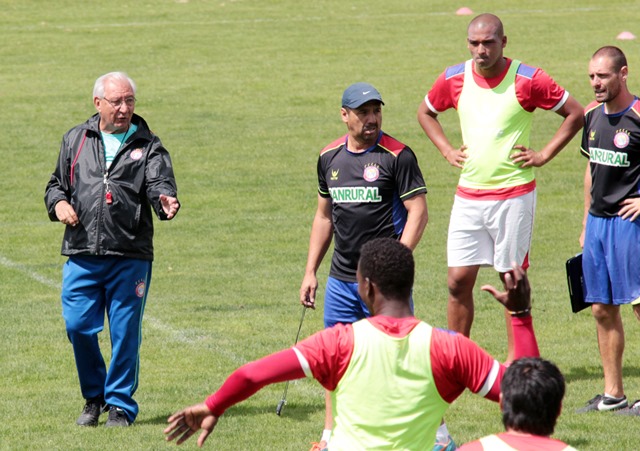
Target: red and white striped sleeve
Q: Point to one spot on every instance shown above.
(445, 92)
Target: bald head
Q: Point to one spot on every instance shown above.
(486, 41)
(486, 22)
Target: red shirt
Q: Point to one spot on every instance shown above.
(534, 88)
(457, 362)
(521, 443)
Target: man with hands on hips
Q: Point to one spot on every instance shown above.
(493, 212)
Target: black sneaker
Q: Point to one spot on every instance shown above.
(91, 412)
(601, 403)
(632, 410)
(117, 418)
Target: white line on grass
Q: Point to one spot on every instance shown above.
(32, 274)
(189, 337)
(299, 18)
(177, 335)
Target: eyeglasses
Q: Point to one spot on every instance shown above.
(129, 101)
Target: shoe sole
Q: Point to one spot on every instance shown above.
(607, 409)
(116, 425)
(87, 425)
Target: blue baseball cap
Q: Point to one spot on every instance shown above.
(358, 94)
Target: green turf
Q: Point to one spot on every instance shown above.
(244, 93)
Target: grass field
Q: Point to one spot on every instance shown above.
(244, 93)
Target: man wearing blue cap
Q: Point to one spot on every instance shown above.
(369, 186)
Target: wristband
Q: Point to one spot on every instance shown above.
(520, 313)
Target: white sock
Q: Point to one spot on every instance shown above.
(442, 434)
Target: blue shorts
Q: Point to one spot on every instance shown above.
(343, 304)
(610, 260)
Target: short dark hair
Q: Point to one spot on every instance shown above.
(389, 264)
(532, 392)
(616, 56)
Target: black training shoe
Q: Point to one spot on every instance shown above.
(117, 418)
(601, 403)
(91, 412)
(632, 410)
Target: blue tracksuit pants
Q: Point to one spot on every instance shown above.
(117, 286)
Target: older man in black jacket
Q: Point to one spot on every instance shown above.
(111, 172)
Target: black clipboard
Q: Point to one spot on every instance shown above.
(576, 284)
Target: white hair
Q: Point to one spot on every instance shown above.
(98, 87)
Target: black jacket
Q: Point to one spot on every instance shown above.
(140, 172)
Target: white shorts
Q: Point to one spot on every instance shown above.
(491, 232)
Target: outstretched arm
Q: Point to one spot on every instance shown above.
(185, 423)
(459, 363)
(240, 385)
(517, 300)
(517, 296)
